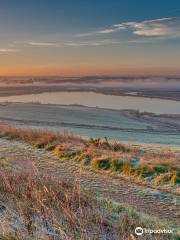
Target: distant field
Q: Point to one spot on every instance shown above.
(130, 126)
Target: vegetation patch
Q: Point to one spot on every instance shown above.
(116, 165)
(42, 207)
(40, 143)
(101, 163)
(171, 178)
(50, 146)
(103, 155)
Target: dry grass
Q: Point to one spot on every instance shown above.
(169, 177)
(35, 206)
(38, 206)
(50, 209)
(102, 155)
(36, 136)
(165, 157)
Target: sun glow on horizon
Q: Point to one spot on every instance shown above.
(74, 39)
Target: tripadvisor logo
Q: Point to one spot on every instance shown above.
(140, 231)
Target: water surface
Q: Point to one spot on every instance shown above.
(91, 99)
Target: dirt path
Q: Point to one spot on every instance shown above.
(153, 202)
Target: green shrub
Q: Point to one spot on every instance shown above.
(101, 163)
(144, 170)
(116, 165)
(161, 169)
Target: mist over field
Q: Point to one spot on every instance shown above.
(169, 82)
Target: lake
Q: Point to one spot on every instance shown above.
(91, 99)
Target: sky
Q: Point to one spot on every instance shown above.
(88, 37)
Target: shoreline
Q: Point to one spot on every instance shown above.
(8, 91)
(133, 112)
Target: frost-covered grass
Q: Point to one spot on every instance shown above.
(161, 168)
(35, 206)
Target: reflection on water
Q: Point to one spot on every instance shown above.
(92, 99)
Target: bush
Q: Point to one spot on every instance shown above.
(161, 169)
(62, 152)
(144, 171)
(103, 163)
(82, 157)
(116, 164)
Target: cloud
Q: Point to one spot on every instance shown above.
(8, 50)
(106, 42)
(144, 32)
(112, 29)
(148, 28)
(89, 43)
(158, 27)
(43, 44)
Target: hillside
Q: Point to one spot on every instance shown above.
(70, 196)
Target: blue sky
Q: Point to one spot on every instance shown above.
(44, 16)
(61, 36)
